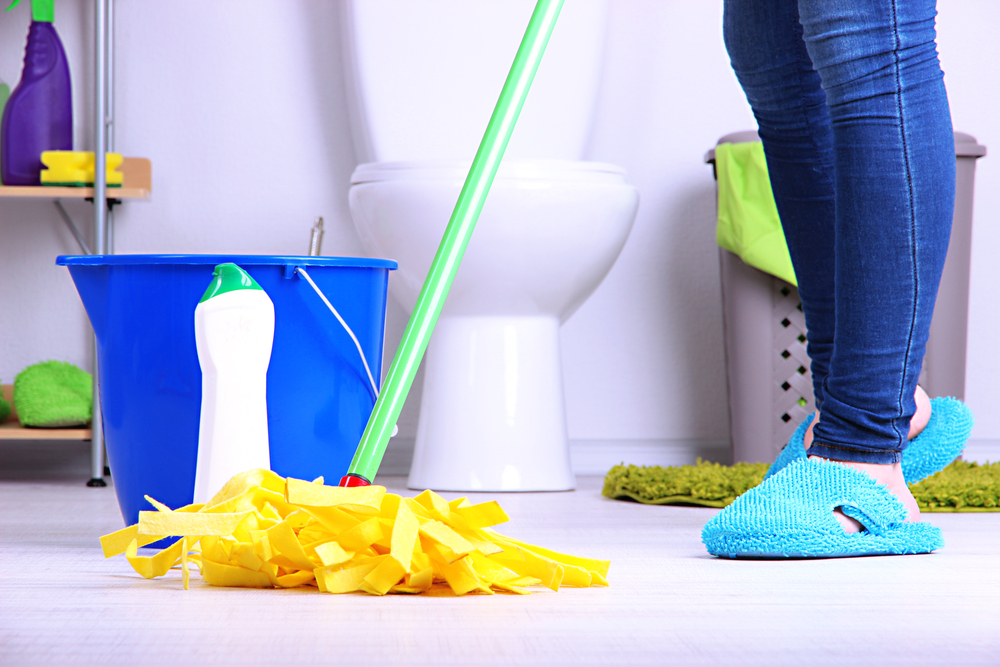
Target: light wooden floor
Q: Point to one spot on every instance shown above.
(669, 602)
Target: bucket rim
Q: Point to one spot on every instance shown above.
(247, 260)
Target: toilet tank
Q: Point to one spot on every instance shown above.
(423, 77)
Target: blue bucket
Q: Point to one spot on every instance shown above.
(318, 395)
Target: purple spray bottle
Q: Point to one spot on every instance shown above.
(39, 114)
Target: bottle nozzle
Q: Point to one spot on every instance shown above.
(41, 10)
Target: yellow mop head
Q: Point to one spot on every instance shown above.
(265, 531)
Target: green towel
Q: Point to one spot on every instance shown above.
(53, 394)
(707, 484)
(749, 225)
(961, 487)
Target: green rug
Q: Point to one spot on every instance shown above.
(961, 487)
(706, 484)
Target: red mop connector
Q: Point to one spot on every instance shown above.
(350, 479)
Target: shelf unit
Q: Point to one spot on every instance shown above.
(136, 185)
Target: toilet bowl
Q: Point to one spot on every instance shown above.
(492, 416)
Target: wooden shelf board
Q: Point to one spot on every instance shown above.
(11, 429)
(137, 183)
(45, 192)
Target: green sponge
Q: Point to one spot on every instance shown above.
(963, 486)
(707, 484)
(53, 394)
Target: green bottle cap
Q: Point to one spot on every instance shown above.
(229, 278)
(41, 10)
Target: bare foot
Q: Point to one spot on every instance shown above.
(891, 475)
(918, 422)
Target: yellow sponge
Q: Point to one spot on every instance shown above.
(76, 168)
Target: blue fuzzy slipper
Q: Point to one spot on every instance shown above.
(795, 449)
(940, 443)
(790, 515)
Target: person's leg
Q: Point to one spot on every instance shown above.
(769, 56)
(894, 168)
(892, 137)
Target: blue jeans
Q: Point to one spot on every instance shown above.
(853, 114)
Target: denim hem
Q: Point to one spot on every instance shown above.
(853, 114)
(854, 455)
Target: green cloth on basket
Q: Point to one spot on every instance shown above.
(54, 394)
(749, 225)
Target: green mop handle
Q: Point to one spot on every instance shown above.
(456, 238)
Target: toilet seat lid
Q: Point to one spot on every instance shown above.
(541, 170)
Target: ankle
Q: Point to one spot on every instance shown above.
(918, 422)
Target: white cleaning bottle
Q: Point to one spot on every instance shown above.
(234, 330)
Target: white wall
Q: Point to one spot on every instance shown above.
(969, 56)
(241, 107)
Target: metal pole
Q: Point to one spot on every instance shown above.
(109, 132)
(100, 216)
(100, 129)
(110, 69)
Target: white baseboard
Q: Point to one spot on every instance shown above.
(595, 457)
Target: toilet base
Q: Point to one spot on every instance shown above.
(492, 416)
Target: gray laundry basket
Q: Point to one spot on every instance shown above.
(767, 368)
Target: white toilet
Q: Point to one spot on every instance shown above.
(424, 77)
